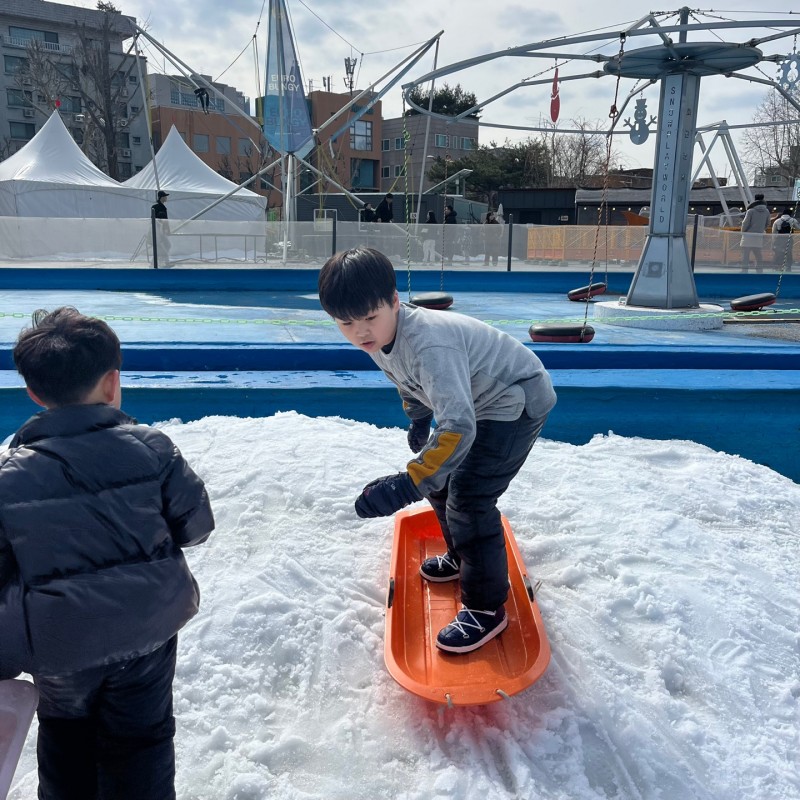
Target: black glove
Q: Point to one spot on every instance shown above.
(384, 496)
(418, 433)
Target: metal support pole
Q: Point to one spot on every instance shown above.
(333, 237)
(694, 239)
(510, 240)
(155, 244)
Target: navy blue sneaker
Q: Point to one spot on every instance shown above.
(471, 629)
(440, 569)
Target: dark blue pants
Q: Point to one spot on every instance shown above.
(467, 508)
(107, 733)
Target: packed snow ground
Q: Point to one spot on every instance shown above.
(669, 595)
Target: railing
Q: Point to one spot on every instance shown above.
(53, 47)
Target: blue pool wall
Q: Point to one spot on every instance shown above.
(743, 400)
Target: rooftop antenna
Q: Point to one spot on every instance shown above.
(350, 68)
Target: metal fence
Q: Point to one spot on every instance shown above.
(128, 242)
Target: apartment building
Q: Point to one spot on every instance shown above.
(41, 50)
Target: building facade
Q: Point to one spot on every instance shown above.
(43, 47)
(403, 149)
(220, 136)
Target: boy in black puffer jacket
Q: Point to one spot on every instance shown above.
(94, 511)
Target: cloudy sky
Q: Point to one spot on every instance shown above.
(209, 35)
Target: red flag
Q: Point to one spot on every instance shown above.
(555, 101)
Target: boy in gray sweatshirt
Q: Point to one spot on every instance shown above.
(490, 397)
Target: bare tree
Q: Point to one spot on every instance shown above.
(576, 157)
(772, 148)
(95, 77)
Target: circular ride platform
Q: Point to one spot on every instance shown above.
(693, 58)
(704, 317)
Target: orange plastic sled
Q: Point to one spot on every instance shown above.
(416, 610)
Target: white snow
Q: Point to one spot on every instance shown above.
(669, 594)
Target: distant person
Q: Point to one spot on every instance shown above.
(492, 234)
(368, 213)
(782, 244)
(490, 397)
(754, 225)
(95, 511)
(159, 212)
(384, 211)
(450, 216)
(429, 239)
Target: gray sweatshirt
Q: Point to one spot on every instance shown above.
(462, 371)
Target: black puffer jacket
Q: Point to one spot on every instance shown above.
(94, 510)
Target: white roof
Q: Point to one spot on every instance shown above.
(193, 186)
(52, 156)
(180, 170)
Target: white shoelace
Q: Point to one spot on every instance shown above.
(445, 559)
(462, 625)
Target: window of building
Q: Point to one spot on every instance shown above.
(132, 79)
(386, 172)
(71, 104)
(77, 135)
(18, 98)
(134, 110)
(245, 147)
(182, 135)
(386, 144)
(440, 140)
(136, 139)
(361, 135)
(362, 173)
(22, 130)
(13, 64)
(398, 143)
(224, 145)
(200, 143)
(123, 140)
(467, 143)
(399, 171)
(124, 169)
(30, 34)
(244, 175)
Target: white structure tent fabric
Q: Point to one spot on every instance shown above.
(51, 177)
(192, 185)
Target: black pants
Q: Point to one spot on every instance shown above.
(107, 733)
(467, 508)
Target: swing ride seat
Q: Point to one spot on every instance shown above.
(561, 333)
(437, 300)
(416, 610)
(585, 292)
(753, 302)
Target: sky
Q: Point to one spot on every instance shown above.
(669, 597)
(209, 36)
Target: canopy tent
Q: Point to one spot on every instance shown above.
(192, 185)
(51, 177)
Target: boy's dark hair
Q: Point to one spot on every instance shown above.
(64, 354)
(355, 282)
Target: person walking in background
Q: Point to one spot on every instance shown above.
(428, 239)
(158, 212)
(384, 211)
(754, 225)
(368, 213)
(782, 242)
(450, 216)
(492, 233)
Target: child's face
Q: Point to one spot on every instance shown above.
(374, 331)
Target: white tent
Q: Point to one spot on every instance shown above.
(192, 185)
(51, 177)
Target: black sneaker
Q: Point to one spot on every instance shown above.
(440, 569)
(471, 629)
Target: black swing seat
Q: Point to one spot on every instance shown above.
(561, 333)
(585, 292)
(753, 302)
(437, 300)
